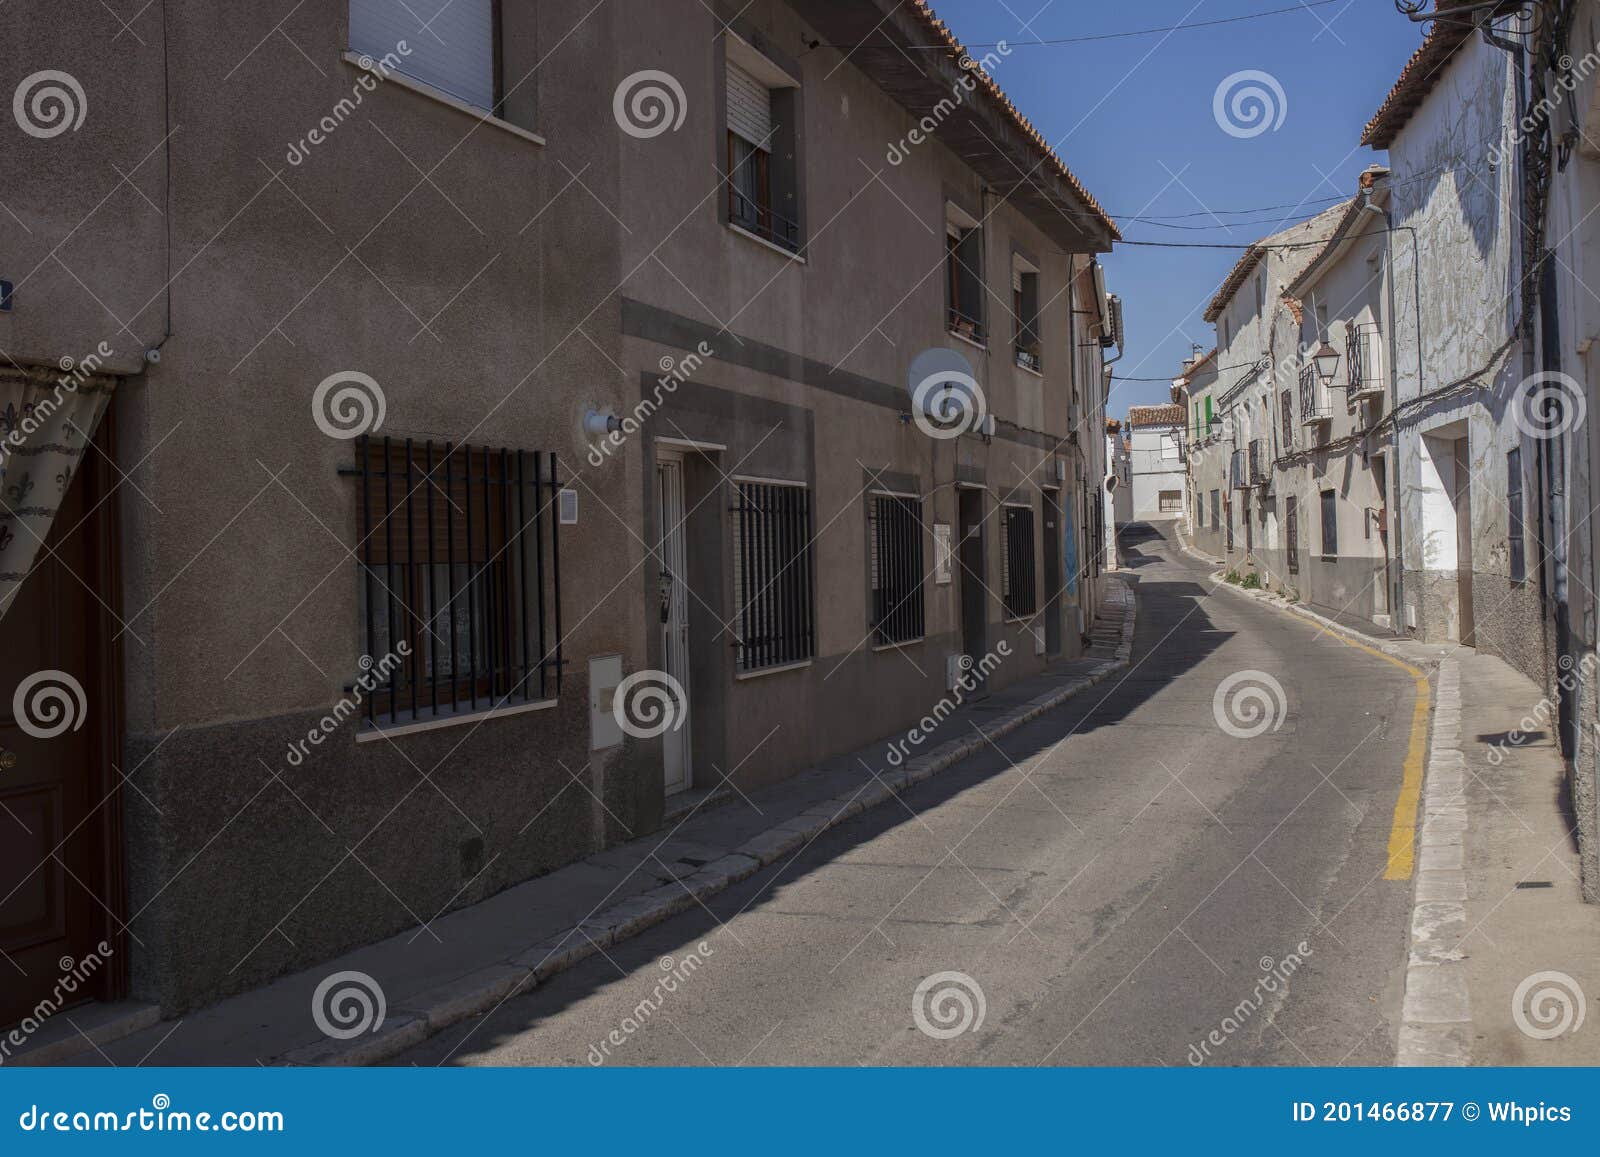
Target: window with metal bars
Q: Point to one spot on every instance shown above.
(1016, 561)
(895, 536)
(459, 560)
(775, 615)
(1291, 517)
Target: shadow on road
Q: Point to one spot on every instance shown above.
(1173, 635)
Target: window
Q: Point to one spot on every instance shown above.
(460, 568)
(895, 541)
(1287, 407)
(1016, 561)
(1208, 414)
(1330, 524)
(1216, 509)
(964, 275)
(1291, 519)
(1230, 523)
(1515, 532)
(772, 575)
(450, 45)
(762, 146)
(1025, 308)
(1170, 501)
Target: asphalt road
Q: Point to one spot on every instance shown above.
(1122, 880)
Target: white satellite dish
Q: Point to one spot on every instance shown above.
(946, 399)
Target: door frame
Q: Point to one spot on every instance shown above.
(971, 561)
(671, 461)
(1054, 564)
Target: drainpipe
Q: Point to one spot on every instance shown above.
(1397, 604)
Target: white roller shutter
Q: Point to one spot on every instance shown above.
(749, 107)
(450, 42)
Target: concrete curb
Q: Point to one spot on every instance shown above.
(1436, 1014)
(1387, 646)
(421, 1016)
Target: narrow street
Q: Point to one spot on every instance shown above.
(1116, 878)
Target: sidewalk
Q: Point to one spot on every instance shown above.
(1504, 952)
(471, 960)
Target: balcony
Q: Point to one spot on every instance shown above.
(1256, 462)
(1364, 362)
(1314, 407)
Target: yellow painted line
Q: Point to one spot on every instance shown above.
(1403, 828)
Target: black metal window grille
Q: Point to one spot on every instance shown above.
(1258, 461)
(1016, 561)
(1291, 518)
(1287, 407)
(772, 575)
(895, 537)
(459, 560)
(1330, 524)
(1515, 532)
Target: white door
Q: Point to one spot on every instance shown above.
(674, 616)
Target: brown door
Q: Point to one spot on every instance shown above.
(59, 894)
(1463, 480)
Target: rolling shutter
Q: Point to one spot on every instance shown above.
(749, 107)
(450, 43)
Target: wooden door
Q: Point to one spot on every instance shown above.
(59, 860)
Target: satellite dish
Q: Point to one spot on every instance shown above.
(1111, 483)
(946, 400)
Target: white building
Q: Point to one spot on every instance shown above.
(1156, 462)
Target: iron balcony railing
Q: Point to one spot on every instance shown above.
(1313, 406)
(1363, 361)
(763, 222)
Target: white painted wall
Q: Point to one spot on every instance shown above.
(1156, 466)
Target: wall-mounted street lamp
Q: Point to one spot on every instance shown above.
(1326, 359)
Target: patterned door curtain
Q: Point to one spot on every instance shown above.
(46, 423)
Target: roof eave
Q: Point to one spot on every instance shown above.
(909, 53)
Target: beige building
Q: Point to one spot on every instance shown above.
(428, 398)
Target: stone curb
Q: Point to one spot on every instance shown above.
(1387, 646)
(1436, 1013)
(425, 1014)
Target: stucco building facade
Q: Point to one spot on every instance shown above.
(440, 397)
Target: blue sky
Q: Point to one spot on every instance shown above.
(1133, 120)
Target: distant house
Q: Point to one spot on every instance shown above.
(1156, 461)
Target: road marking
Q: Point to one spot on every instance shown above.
(1403, 828)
